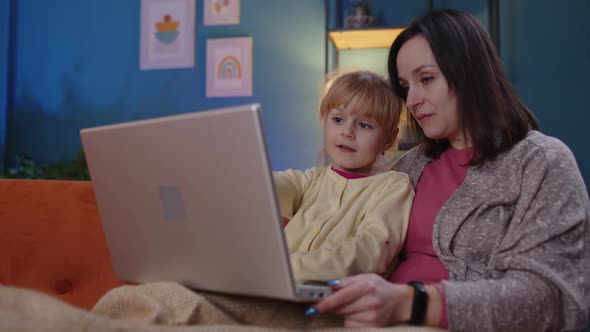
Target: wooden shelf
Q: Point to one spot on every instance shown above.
(364, 38)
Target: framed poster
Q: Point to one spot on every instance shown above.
(167, 34)
(229, 67)
(221, 12)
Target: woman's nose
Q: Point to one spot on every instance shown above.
(413, 99)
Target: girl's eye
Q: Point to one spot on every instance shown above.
(364, 125)
(337, 119)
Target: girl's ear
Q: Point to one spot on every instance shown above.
(391, 138)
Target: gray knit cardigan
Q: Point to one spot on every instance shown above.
(515, 238)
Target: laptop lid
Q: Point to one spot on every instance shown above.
(190, 198)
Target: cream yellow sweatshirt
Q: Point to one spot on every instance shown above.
(340, 227)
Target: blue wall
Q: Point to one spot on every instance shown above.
(545, 46)
(4, 53)
(77, 65)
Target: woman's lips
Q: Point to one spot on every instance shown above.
(423, 116)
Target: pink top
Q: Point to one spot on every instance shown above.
(349, 176)
(438, 181)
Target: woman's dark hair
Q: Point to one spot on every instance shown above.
(488, 109)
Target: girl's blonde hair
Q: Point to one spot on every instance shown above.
(364, 92)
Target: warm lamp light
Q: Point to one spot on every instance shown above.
(364, 38)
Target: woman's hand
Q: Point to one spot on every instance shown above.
(369, 300)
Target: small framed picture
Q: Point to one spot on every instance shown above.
(167, 34)
(221, 12)
(229, 67)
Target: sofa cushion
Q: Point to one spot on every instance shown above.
(51, 240)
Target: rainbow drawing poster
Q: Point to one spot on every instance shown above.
(167, 34)
(229, 67)
(221, 12)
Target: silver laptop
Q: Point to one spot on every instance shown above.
(190, 198)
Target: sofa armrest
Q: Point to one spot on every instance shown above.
(51, 240)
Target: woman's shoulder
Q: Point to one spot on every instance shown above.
(539, 146)
(538, 159)
(411, 163)
(547, 143)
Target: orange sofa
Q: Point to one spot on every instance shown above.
(51, 240)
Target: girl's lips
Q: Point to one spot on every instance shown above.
(344, 148)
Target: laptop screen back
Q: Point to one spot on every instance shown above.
(190, 198)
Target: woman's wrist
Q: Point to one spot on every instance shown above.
(404, 307)
(433, 305)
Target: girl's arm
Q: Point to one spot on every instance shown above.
(290, 186)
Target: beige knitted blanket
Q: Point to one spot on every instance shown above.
(164, 307)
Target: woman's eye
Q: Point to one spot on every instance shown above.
(427, 79)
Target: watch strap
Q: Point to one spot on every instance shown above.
(419, 303)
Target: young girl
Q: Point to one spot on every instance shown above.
(344, 219)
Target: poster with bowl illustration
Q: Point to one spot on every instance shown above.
(167, 34)
(229, 67)
(221, 12)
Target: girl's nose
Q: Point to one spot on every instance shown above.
(348, 130)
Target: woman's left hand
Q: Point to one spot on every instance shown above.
(368, 300)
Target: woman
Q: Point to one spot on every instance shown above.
(499, 228)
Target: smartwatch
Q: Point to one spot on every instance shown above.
(419, 303)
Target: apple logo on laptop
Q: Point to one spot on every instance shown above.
(172, 202)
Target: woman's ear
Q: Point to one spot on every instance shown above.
(391, 138)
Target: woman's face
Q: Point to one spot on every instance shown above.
(429, 99)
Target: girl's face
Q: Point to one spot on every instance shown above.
(353, 141)
(429, 99)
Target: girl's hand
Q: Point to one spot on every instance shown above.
(368, 300)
